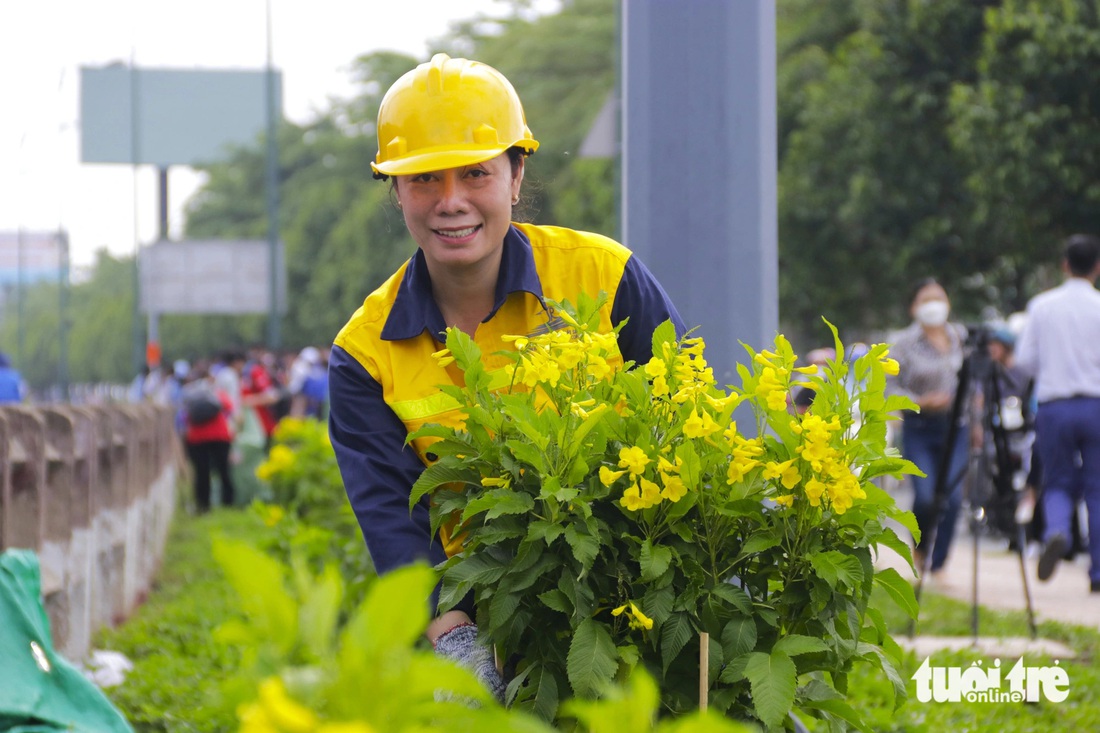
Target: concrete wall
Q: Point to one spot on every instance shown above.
(92, 491)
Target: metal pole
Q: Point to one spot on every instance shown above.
(699, 164)
(135, 159)
(273, 335)
(162, 209)
(63, 318)
(21, 310)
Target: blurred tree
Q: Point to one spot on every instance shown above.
(872, 194)
(1029, 130)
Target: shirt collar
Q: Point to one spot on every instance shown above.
(415, 310)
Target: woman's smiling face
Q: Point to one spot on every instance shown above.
(459, 216)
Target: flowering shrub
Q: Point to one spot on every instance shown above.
(309, 513)
(616, 518)
(305, 672)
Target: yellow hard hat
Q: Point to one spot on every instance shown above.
(448, 113)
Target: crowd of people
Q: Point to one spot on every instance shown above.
(227, 407)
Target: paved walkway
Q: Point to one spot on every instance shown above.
(1065, 597)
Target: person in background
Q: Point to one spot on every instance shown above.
(453, 137)
(930, 354)
(819, 358)
(12, 388)
(259, 390)
(208, 440)
(1060, 347)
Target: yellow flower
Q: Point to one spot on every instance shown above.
(772, 387)
(597, 367)
(633, 459)
(286, 714)
(632, 499)
(271, 514)
(651, 492)
(785, 500)
(503, 482)
(700, 426)
(638, 620)
(608, 477)
(443, 357)
(786, 472)
(739, 468)
(674, 488)
(814, 490)
(660, 387)
(656, 367)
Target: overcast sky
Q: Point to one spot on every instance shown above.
(43, 44)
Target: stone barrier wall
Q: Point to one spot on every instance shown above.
(91, 489)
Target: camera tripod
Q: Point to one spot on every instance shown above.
(978, 369)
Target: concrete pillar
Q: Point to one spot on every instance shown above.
(699, 164)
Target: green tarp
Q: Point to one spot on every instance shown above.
(40, 691)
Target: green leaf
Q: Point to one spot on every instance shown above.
(874, 654)
(839, 709)
(395, 611)
(556, 600)
(738, 637)
(585, 546)
(890, 539)
(503, 606)
(471, 571)
(497, 502)
(544, 530)
(654, 561)
(772, 681)
(592, 659)
(834, 567)
(676, 632)
(258, 581)
(438, 474)
(657, 603)
(528, 453)
(796, 644)
(665, 333)
(320, 612)
(731, 595)
(691, 466)
(759, 543)
(899, 590)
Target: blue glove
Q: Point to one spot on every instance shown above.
(460, 644)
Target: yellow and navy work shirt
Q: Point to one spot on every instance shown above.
(384, 383)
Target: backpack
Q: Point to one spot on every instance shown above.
(200, 403)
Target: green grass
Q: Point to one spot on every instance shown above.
(871, 694)
(177, 664)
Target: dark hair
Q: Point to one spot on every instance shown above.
(921, 285)
(1082, 254)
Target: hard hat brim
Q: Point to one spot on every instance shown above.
(438, 160)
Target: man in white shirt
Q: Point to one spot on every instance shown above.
(1060, 347)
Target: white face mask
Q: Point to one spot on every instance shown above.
(932, 313)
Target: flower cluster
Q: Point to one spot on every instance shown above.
(642, 491)
(279, 461)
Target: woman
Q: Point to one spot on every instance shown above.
(930, 354)
(453, 137)
(207, 415)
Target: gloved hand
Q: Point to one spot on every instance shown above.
(460, 645)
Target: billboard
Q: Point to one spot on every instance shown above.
(210, 276)
(182, 117)
(31, 257)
